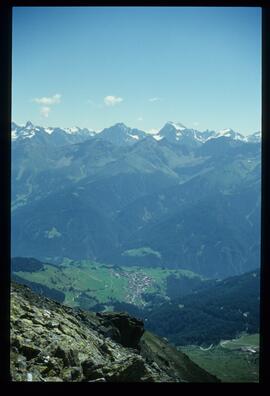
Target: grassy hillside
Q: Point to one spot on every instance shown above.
(234, 360)
(87, 283)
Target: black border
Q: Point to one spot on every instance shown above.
(265, 247)
(5, 159)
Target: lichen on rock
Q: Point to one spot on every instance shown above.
(54, 343)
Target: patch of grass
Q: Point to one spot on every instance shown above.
(141, 252)
(246, 340)
(103, 282)
(227, 363)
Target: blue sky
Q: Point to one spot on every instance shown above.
(95, 66)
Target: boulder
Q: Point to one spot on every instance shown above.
(69, 356)
(132, 369)
(128, 330)
(91, 370)
(71, 374)
(26, 349)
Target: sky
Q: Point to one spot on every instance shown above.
(95, 66)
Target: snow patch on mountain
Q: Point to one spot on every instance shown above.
(49, 130)
(29, 131)
(172, 131)
(136, 137)
(71, 130)
(230, 134)
(158, 137)
(177, 125)
(23, 132)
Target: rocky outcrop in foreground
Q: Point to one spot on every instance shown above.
(51, 342)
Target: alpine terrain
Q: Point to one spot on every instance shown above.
(177, 199)
(143, 249)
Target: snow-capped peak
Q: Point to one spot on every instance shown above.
(71, 130)
(29, 131)
(77, 130)
(177, 125)
(255, 137)
(170, 130)
(230, 133)
(121, 134)
(26, 131)
(29, 125)
(122, 126)
(175, 131)
(49, 130)
(115, 129)
(226, 132)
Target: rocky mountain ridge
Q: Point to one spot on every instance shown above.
(54, 343)
(121, 134)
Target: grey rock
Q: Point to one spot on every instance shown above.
(122, 328)
(131, 369)
(93, 374)
(21, 361)
(92, 348)
(52, 324)
(71, 374)
(29, 351)
(69, 356)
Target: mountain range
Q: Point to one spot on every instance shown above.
(121, 134)
(179, 198)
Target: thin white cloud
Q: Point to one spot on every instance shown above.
(112, 100)
(140, 119)
(45, 110)
(155, 99)
(196, 123)
(48, 101)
